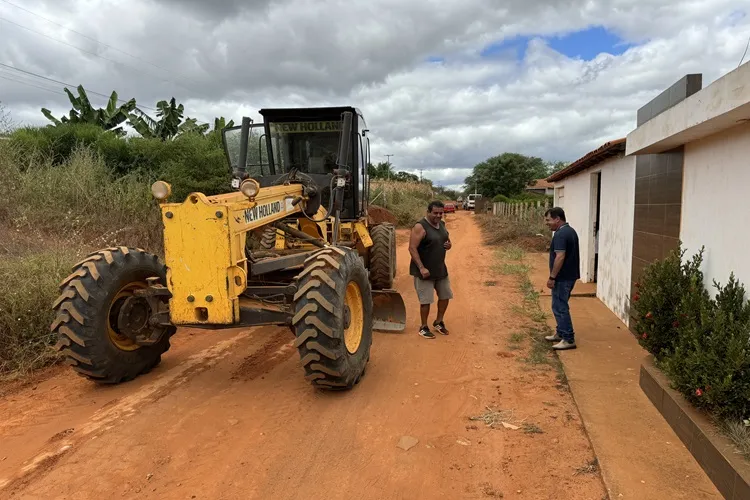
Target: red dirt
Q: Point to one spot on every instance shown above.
(379, 215)
(228, 414)
(532, 243)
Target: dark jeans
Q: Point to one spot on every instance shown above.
(560, 296)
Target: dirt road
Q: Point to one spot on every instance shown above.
(229, 415)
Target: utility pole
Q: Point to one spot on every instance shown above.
(420, 175)
(388, 172)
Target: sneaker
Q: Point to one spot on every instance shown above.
(440, 327)
(564, 344)
(426, 333)
(553, 338)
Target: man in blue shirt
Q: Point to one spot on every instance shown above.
(564, 271)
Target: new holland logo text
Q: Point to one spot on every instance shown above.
(262, 211)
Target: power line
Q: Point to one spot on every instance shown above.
(67, 84)
(74, 86)
(87, 51)
(89, 37)
(30, 84)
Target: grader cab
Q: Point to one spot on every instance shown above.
(316, 263)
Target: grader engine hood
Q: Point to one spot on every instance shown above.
(204, 247)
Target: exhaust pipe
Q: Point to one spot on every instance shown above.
(244, 137)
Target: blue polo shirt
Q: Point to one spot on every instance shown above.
(566, 239)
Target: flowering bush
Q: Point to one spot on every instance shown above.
(710, 365)
(657, 299)
(701, 343)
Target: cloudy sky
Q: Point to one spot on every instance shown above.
(443, 84)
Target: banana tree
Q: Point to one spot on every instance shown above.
(109, 118)
(191, 126)
(165, 127)
(221, 123)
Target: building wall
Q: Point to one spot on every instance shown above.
(658, 184)
(658, 201)
(615, 228)
(714, 204)
(577, 202)
(616, 235)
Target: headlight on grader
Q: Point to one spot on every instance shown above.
(250, 188)
(161, 190)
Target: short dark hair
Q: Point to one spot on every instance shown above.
(555, 212)
(433, 204)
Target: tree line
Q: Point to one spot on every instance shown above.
(508, 174)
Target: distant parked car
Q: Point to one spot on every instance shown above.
(450, 207)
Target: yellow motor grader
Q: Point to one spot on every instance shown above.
(320, 268)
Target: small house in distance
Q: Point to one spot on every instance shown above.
(541, 186)
(596, 192)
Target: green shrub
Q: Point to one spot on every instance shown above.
(701, 343)
(658, 296)
(189, 162)
(193, 163)
(710, 365)
(57, 143)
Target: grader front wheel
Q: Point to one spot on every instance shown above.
(333, 319)
(89, 316)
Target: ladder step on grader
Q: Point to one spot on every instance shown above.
(290, 245)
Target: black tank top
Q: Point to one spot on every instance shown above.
(431, 251)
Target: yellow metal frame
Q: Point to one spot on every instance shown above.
(204, 245)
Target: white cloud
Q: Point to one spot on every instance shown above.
(237, 57)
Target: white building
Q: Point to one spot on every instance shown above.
(597, 194)
(682, 179)
(710, 129)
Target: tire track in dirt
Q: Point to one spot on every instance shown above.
(104, 419)
(275, 350)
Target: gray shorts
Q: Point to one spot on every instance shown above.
(426, 289)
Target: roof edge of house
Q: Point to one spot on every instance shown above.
(603, 152)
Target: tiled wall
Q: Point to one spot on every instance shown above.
(658, 187)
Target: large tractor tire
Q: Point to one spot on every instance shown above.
(268, 239)
(333, 319)
(261, 243)
(383, 256)
(87, 315)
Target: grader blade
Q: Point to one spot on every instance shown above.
(388, 311)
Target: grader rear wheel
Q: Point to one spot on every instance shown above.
(86, 324)
(333, 319)
(383, 256)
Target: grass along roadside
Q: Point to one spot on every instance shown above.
(510, 261)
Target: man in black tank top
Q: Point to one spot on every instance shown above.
(428, 245)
